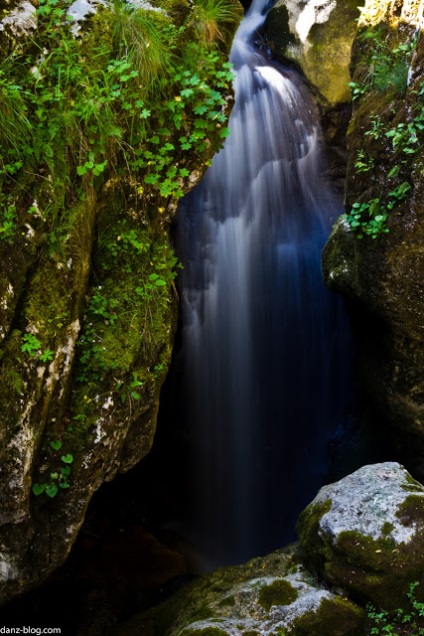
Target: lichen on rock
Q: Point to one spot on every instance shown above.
(365, 532)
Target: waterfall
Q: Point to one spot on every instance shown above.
(263, 343)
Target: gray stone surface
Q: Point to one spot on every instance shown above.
(366, 533)
(367, 500)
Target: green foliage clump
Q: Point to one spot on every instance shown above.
(32, 346)
(121, 321)
(399, 622)
(59, 472)
(369, 217)
(387, 67)
(101, 127)
(129, 97)
(384, 70)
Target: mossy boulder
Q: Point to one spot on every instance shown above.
(383, 276)
(91, 169)
(317, 37)
(17, 20)
(365, 533)
(268, 595)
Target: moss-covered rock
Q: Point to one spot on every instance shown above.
(384, 276)
(366, 533)
(318, 37)
(279, 592)
(269, 595)
(95, 150)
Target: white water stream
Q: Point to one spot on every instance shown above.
(264, 343)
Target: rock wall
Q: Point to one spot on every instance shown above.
(317, 36)
(96, 140)
(375, 254)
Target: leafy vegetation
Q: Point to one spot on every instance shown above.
(73, 108)
(387, 71)
(387, 67)
(32, 346)
(100, 131)
(399, 622)
(59, 472)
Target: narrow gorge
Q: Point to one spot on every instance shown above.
(211, 309)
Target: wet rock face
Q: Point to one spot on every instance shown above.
(318, 36)
(366, 533)
(87, 303)
(384, 276)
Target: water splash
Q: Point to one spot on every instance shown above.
(264, 343)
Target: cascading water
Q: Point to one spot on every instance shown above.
(264, 344)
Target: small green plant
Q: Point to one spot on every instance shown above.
(398, 622)
(33, 347)
(129, 390)
(405, 136)
(377, 127)
(399, 193)
(357, 90)
(59, 476)
(8, 223)
(363, 163)
(367, 218)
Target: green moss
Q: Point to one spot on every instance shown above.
(204, 631)
(312, 543)
(201, 614)
(227, 601)
(387, 528)
(11, 378)
(365, 552)
(412, 485)
(411, 511)
(335, 617)
(279, 592)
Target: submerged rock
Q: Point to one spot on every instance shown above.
(365, 533)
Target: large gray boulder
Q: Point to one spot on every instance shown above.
(366, 533)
